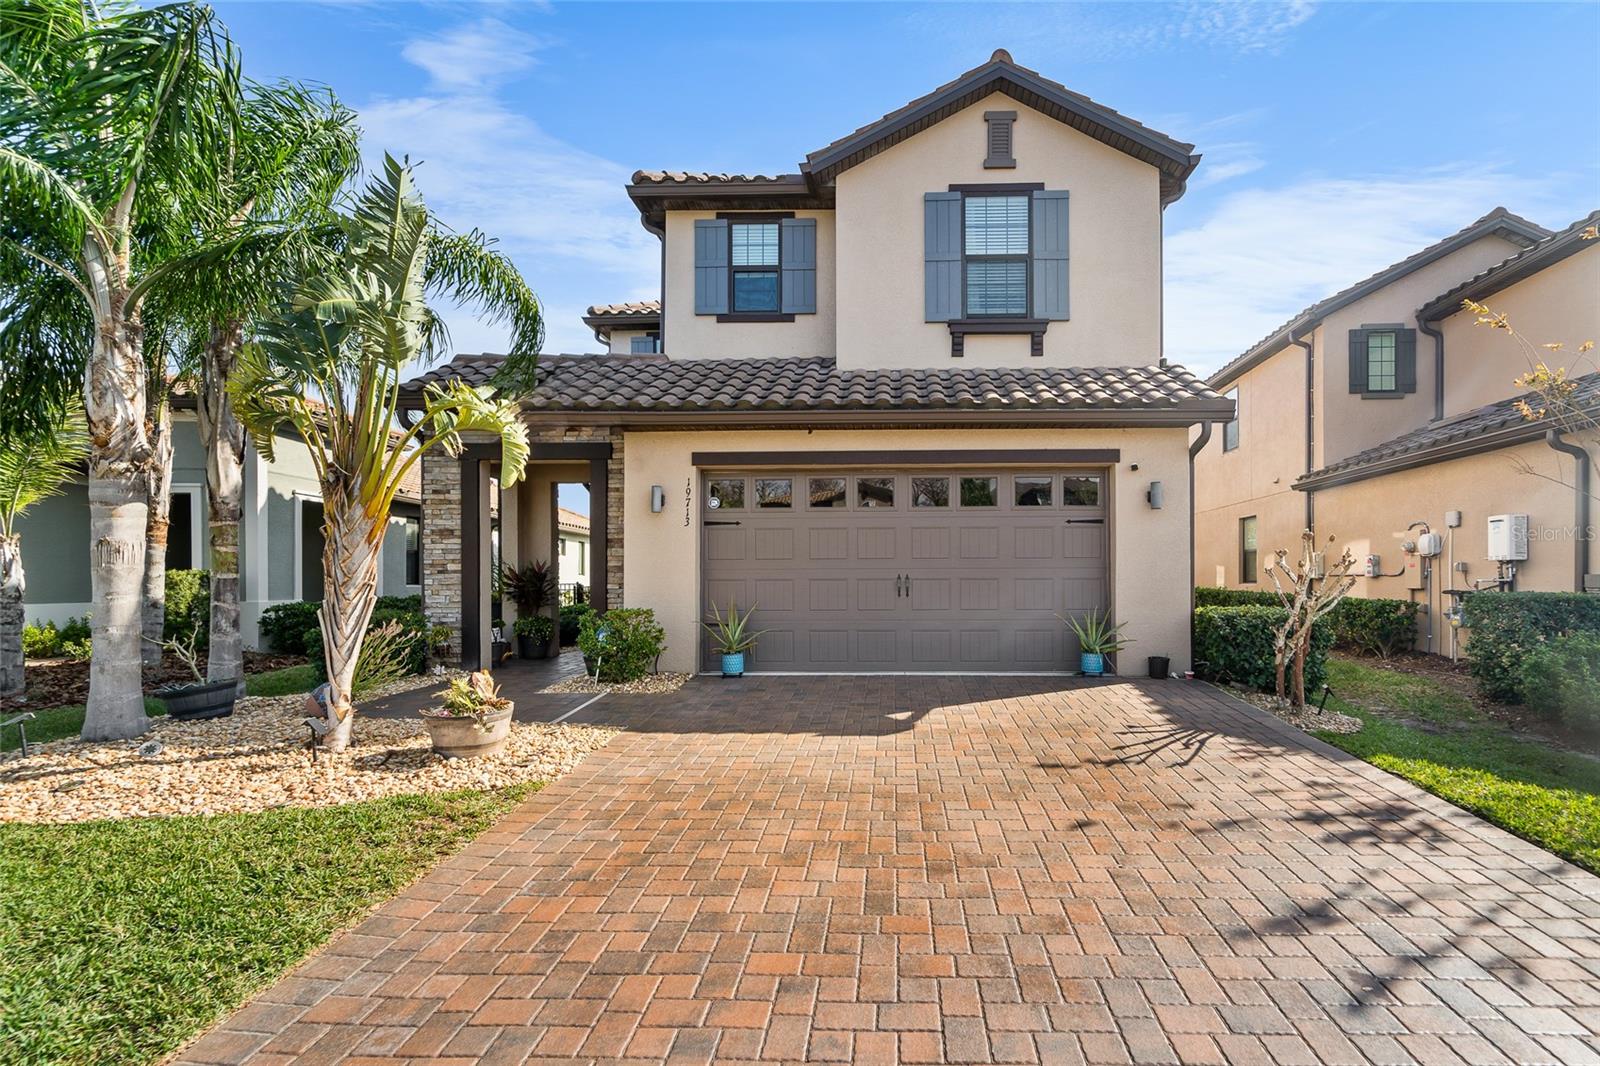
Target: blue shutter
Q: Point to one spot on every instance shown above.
(711, 266)
(799, 246)
(941, 256)
(1050, 254)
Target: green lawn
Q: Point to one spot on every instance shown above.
(1418, 729)
(120, 940)
(57, 722)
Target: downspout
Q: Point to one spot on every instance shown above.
(1580, 490)
(1438, 365)
(1194, 449)
(1311, 427)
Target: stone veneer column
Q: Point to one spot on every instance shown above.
(441, 544)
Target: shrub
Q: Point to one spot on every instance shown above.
(41, 641)
(411, 603)
(1506, 626)
(285, 626)
(1561, 678)
(79, 651)
(188, 606)
(1375, 627)
(390, 651)
(409, 644)
(1234, 644)
(572, 615)
(1212, 596)
(622, 644)
(76, 631)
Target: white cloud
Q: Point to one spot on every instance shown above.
(1264, 254)
(475, 55)
(1226, 161)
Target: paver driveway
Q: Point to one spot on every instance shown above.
(960, 870)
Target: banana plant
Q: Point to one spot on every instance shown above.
(328, 368)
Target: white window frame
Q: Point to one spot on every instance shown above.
(1233, 423)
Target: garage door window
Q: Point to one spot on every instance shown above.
(1033, 491)
(774, 492)
(980, 492)
(826, 492)
(726, 494)
(874, 492)
(930, 492)
(1082, 491)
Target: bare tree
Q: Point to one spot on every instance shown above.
(1308, 598)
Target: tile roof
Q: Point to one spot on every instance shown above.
(1508, 272)
(701, 177)
(636, 309)
(572, 521)
(656, 384)
(1494, 425)
(1499, 221)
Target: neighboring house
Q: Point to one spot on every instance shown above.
(1386, 412)
(627, 329)
(572, 541)
(280, 533)
(911, 404)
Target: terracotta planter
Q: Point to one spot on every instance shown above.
(462, 738)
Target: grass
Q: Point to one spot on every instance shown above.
(120, 940)
(1418, 729)
(67, 721)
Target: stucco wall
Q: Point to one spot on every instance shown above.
(1371, 516)
(622, 340)
(1114, 235)
(691, 336)
(1150, 581)
(1560, 304)
(289, 473)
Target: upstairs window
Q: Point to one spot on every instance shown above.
(754, 255)
(1380, 361)
(1383, 361)
(648, 344)
(996, 255)
(1230, 429)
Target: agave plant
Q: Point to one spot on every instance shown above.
(1097, 636)
(731, 633)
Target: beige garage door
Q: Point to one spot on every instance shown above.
(909, 570)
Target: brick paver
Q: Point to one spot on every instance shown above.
(882, 870)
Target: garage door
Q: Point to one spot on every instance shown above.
(913, 570)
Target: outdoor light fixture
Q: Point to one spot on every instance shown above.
(658, 499)
(1155, 495)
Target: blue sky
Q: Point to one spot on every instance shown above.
(1337, 138)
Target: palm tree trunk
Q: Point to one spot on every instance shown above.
(222, 437)
(155, 540)
(12, 587)
(350, 558)
(114, 401)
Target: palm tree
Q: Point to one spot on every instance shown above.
(108, 130)
(33, 467)
(329, 368)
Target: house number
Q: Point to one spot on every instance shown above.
(688, 500)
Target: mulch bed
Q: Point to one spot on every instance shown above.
(61, 682)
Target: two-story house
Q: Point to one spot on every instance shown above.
(909, 402)
(1387, 417)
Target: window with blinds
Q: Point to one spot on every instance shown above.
(995, 243)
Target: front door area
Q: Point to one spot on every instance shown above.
(916, 570)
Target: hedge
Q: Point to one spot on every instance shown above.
(1213, 596)
(1234, 644)
(188, 606)
(1506, 627)
(1561, 678)
(1371, 627)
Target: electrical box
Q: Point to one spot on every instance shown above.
(1452, 519)
(1413, 572)
(1508, 538)
(1430, 544)
(1371, 569)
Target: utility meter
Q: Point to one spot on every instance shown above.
(1430, 544)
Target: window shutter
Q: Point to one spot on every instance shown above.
(1358, 360)
(799, 246)
(711, 266)
(1050, 254)
(1405, 360)
(941, 255)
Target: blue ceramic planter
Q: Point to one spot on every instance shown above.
(733, 665)
(1091, 664)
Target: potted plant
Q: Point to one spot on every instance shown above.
(732, 636)
(1097, 638)
(473, 719)
(533, 635)
(203, 699)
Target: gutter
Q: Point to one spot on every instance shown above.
(1426, 325)
(1580, 503)
(1311, 447)
(1194, 449)
(1520, 433)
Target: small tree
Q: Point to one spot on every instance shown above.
(1308, 598)
(33, 467)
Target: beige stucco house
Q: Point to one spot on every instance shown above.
(1386, 414)
(908, 402)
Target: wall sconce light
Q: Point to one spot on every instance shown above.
(1155, 496)
(658, 499)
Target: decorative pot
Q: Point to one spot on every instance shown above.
(733, 665)
(190, 703)
(461, 737)
(1160, 667)
(1091, 664)
(531, 647)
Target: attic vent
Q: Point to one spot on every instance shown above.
(999, 124)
